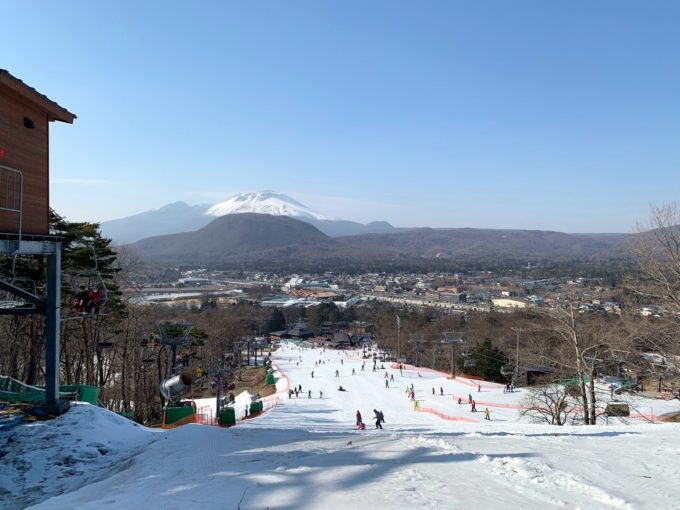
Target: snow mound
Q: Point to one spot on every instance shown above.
(44, 459)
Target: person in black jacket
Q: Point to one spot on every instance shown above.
(377, 419)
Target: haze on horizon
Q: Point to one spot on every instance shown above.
(534, 115)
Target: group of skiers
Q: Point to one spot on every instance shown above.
(378, 416)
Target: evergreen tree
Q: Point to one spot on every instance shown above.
(277, 321)
(485, 361)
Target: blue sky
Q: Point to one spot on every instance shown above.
(509, 114)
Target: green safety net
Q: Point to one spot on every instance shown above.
(12, 390)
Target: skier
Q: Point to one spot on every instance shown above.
(479, 388)
(300, 388)
(363, 367)
(486, 414)
(460, 400)
(469, 398)
(382, 417)
(341, 361)
(441, 391)
(309, 394)
(377, 419)
(296, 392)
(353, 372)
(359, 420)
(337, 373)
(312, 374)
(433, 390)
(320, 394)
(474, 407)
(387, 383)
(391, 377)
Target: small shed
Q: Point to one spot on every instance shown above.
(25, 115)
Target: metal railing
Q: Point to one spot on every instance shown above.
(12, 193)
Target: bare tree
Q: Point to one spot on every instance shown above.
(550, 403)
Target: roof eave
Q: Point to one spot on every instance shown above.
(53, 110)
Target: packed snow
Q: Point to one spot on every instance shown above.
(306, 453)
(264, 202)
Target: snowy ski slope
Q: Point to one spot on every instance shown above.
(306, 453)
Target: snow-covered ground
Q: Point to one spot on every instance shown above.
(306, 453)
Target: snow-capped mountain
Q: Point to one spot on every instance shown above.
(180, 217)
(265, 202)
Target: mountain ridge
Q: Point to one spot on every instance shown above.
(178, 217)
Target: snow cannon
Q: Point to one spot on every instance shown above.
(176, 386)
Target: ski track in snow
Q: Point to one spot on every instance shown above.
(305, 453)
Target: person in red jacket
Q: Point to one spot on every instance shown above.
(95, 297)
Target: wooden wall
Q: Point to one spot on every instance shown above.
(26, 150)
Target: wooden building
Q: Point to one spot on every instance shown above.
(25, 115)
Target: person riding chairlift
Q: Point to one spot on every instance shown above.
(95, 299)
(81, 299)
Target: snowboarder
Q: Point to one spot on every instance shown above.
(340, 388)
(377, 419)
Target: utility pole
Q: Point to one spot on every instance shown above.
(519, 333)
(398, 337)
(453, 338)
(416, 339)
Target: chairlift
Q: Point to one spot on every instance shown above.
(507, 370)
(92, 297)
(617, 409)
(469, 362)
(21, 282)
(103, 344)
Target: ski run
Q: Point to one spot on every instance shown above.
(307, 453)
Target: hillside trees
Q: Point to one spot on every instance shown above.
(484, 360)
(657, 251)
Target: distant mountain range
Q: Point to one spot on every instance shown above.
(180, 217)
(260, 241)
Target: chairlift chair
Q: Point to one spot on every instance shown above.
(506, 370)
(91, 281)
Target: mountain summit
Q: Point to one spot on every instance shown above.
(264, 202)
(180, 217)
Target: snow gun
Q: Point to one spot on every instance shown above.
(174, 387)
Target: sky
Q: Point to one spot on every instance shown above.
(561, 115)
